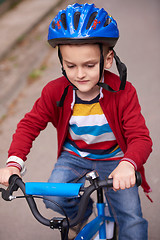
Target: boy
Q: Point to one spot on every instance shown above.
(97, 117)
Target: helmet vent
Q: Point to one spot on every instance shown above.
(53, 24)
(91, 19)
(76, 19)
(63, 19)
(108, 21)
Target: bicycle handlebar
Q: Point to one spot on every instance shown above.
(16, 182)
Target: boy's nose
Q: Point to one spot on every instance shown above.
(80, 73)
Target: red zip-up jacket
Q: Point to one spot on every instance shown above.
(121, 109)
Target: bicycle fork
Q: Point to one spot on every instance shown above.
(98, 224)
(108, 220)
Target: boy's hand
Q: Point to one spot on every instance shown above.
(123, 176)
(5, 174)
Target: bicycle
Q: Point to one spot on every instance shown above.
(98, 225)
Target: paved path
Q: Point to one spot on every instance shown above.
(139, 48)
(15, 24)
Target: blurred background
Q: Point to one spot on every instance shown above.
(27, 63)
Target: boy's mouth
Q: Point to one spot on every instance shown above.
(82, 81)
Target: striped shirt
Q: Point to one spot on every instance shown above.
(90, 135)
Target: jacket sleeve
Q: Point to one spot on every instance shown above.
(33, 122)
(139, 143)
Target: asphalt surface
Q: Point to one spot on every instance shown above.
(138, 47)
(19, 21)
(15, 26)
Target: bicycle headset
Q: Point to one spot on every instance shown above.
(84, 23)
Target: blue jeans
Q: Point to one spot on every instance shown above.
(124, 205)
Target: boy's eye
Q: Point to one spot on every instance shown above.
(90, 65)
(70, 66)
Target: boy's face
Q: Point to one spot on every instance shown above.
(81, 63)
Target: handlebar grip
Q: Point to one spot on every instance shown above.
(12, 183)
(138, 178)
(13, 178)
(109, 182)
(6, 193)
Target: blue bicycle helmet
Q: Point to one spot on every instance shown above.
(83, 23)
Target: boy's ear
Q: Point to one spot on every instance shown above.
(108, 59)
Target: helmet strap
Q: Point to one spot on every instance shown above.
(101, 65)
(63, 71)
(60, 103)
(122, 70)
